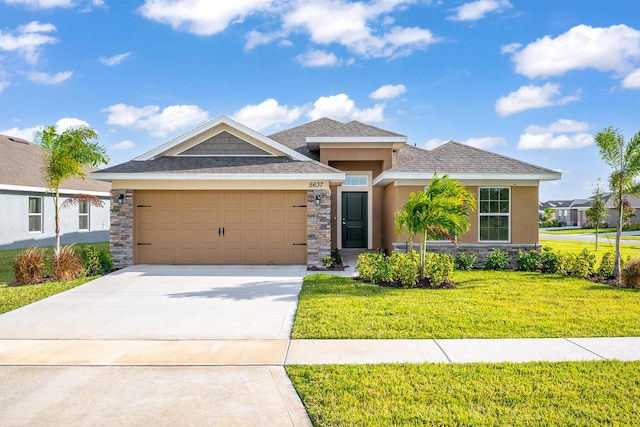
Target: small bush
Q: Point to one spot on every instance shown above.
(91, 261)
(328, 261)
(630, 275)
(403, 269)
(105, 260)
(529, 261)
(28, 266)
(67, 265)
(497, 260)
(337, 258)
(373, 267)
(464, 261)
(549, 260)
(438, 268)
(581, 265)
(605, 269)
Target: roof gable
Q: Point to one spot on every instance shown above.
(224, 144)
(215, 127)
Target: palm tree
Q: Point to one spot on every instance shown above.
(439, 211)
(624, 158)
(68, 154)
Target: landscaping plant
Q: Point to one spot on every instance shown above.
(403, 269)
(67, 265)
(529, 261)
(631, 274)
(28, 266)
(497, 260)
(464, 261)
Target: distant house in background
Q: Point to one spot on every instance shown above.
(27, 210)
(572, 213)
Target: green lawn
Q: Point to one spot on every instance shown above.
(580, 231)
(603, 246)
(7, 257)
(524, 394)
(12, 297)
(485, 304)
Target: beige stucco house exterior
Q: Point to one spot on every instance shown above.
(223, 193)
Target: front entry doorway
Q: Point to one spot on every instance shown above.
(354, 219)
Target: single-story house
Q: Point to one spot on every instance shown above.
(27, 205)
(223, 193)
(572, 213)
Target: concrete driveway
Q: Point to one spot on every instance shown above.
(155, 345)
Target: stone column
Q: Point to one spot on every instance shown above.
(318, 226)
(121, 232)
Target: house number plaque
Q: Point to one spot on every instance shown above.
(316, 184)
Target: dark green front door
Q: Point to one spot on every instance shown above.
(354, 220)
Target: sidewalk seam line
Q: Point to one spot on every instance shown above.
(442, 350)
(585, 348)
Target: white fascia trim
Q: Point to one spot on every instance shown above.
(388, 177)
(213, 123)
(47, 190)
(221, 177)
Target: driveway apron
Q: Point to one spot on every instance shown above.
(155, 345)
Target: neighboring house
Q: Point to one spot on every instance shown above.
(226, 194)
(27, 217)
(572, 213)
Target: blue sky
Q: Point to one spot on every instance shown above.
(535, 80)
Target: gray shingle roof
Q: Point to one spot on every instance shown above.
(220, 165)
(454, 157)
(22, 163)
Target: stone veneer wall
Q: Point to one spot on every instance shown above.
(318, 227)
(121, 233)
(481, 250)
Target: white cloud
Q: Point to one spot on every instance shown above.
(615, 48)
(341, 107)
(69, 123)
(26, 133)
(156, 122)
(27, 40)
(3, 85)
(266, 114)
(482, 143)
(49, 79)
(561, 134)
(476, 10)
(530, 97)
(388, 91)
(203, 17)
(510, 48)
(317, 58)
(115, 59)
(122, 145)
(41, 4)
(632, 81)
(256, 38)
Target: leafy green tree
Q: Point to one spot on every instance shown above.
(439, 211)
(624, 158)
(598, 213)
(68, 155)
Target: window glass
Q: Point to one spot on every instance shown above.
(35, 214)
(494, 210)
(356, 180)
(83, 215)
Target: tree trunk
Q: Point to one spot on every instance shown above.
(616, 265)
(56, 204)
(596, 237)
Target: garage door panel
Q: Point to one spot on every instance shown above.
(185, 227)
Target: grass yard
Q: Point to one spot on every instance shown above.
(525, 394)
(603, 246)
(485, 304)
(12, 297)
(579, 231)
(7, 257)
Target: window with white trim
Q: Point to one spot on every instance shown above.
(35, 214)
(494, 211)
(356, 180)
(83, 216)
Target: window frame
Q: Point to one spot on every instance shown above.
(35, 214)
(82, 215)
(494, 214)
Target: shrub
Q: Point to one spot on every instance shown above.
(581, 265)
(549, 260)
(464, 261)
(67, 265)
(630, 275)
(328, 261)
(497, 260)
(105, 260)
(438, 268)
(337, 258)
(403, 269)
(91, 261)
(28, 266)
(373, 267)
(605, 269)
(529, 261)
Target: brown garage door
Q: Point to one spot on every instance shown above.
(220, 227)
